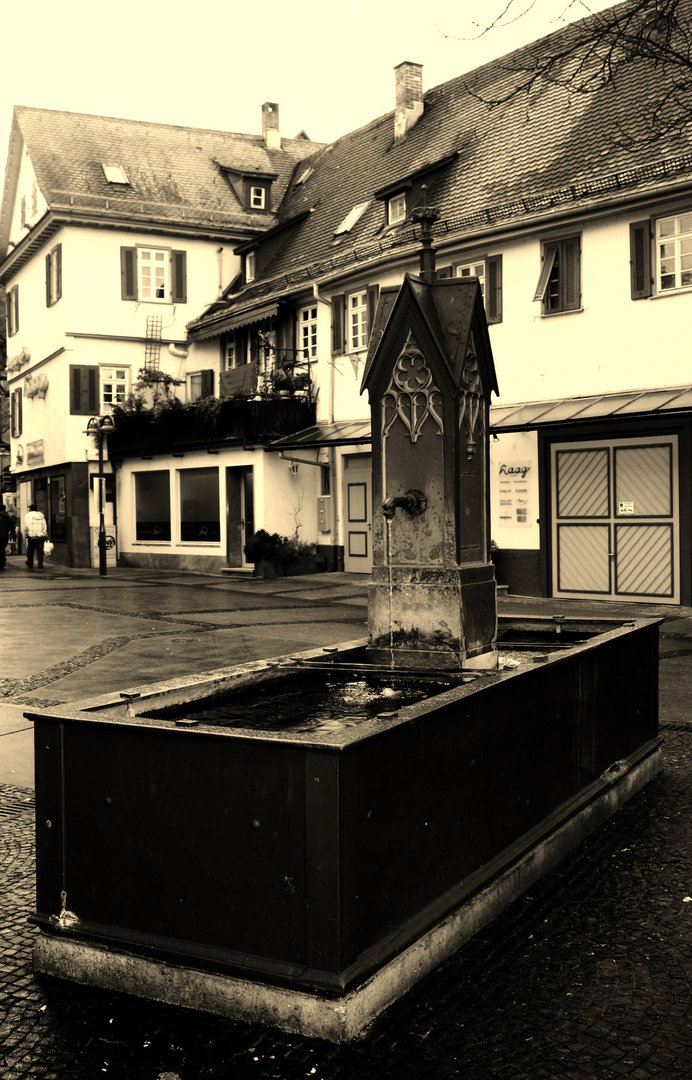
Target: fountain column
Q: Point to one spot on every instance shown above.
(429, 376)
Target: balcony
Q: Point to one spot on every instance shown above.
(213, 422)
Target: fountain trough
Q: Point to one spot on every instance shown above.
(297, 841)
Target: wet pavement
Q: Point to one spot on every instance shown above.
(588, 977)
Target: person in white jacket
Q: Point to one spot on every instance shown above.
(36, 532)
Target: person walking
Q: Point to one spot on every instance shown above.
(36, 532)
(6, 532)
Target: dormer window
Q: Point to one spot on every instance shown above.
(258, 198)
(250, 266)
(115, 174)
(396, 208)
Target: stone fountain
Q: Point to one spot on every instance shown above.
(305, 871)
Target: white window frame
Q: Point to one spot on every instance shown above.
(115, 174)
(351, 218)
(258, 198)
(396, 208)
(231, 360)
(674, 233)
(154, 288)
(307, 334)
(474, 268)
(114, 386)
(357, 321)
(250, 266)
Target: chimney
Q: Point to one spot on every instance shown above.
(409, 97)
(270, 126)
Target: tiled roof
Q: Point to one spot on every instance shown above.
(511, 162)
(175, 173)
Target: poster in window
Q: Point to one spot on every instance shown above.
(514, 493)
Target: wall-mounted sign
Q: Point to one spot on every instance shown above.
(35, 453)
(625, 508)
(514, 493)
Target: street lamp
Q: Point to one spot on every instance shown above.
(100, 427)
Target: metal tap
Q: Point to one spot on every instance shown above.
(414, 502)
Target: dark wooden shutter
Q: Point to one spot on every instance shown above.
(640, 259)
(338, 315)
(373, 294)
(16, 413)
(57, 255)
(84, 390)
(179, 277)
(49, 260)
(206, 383)
(570, 274)
(493, 288)
(12, 311)
(128, 273)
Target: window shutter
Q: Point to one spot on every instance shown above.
(12, 311)
(179, 277)
(207, 383)
(338, 312)
(16, 413)
(445, 272)
(640, 259)
(493, 289)
(128, 273)
(49, 260)
(548, 261)
(84, 390)
(569, 272)
(22, 212)
(373, 294)
(57, 254)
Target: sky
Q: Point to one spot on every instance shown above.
(212, 63)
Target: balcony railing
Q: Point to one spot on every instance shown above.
(216, 422)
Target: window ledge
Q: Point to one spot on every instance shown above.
(668, 293)
(559, 314)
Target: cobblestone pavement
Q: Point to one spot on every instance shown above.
(589, 977)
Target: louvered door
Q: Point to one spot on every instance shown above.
(615, 520)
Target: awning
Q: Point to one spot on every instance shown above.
(538, 414)
(224, 324)
(339, 433)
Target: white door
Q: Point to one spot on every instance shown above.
(357, 513)
(615, 528)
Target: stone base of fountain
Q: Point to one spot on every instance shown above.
(306, 876)
(445, 619)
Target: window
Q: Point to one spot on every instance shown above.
(200, 385)
(12, 311)
(16, 414)
(250, 266)
(476, 269)
(307, 334)
(115, 174)
(114, 387)
(559, 285)
(352, 319)
(84, 390)
(230, 354)
(57, 508)
(258, 198)
(357, 321)
(54, 276)
(674, 253)
(153, 505)
(199, 505)
(351, 218)
(34, 198)
(153, 275)
(396, 208)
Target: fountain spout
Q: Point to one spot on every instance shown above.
(413, 501)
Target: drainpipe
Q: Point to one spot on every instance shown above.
(330, 419)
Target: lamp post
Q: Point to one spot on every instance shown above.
(100, 427)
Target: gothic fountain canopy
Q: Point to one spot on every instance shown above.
(429, 375)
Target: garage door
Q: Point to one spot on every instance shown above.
(615, 528)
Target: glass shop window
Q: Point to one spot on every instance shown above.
(200, 518)
(153, 505)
